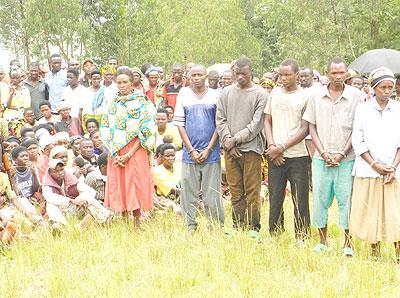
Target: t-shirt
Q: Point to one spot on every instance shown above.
(76, 98)
(197, 115)
(287, 110)
(172, 131)
(165, 180)
(24, 181)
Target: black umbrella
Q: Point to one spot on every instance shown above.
(373, 59)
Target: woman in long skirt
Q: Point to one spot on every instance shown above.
(375, 208)
(128, 130)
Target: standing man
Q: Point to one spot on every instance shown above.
(227, 78)
(306, 77)
(74, 64)
(37, 88)
(56, 80)
(201, 166)
(287, 153)
(240, 120)
(330, 114)
(172, 87)
(213, 79)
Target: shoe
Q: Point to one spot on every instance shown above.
(347, 252)
(320, 248)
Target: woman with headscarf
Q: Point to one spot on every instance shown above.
(137, 82)
(108, 72)
(375, 208)
(128, 130)
(155, 92)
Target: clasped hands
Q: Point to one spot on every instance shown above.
(200, 156)
(230, 147)
(275, 153)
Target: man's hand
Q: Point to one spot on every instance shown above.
(235, 152)
(279, 161)
(195, 156)
(274, 151)
(204, 155)
(229, 143)
(330, 159)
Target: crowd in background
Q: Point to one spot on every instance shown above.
(102, 143)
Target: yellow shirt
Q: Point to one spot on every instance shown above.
(165, 180)
(170, 130)
(20, 100)
(5, 187)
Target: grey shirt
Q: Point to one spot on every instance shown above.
(38, 93)
(240, 114)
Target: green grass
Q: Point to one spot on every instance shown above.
(161, 260)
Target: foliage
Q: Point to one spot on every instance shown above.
(164, 32)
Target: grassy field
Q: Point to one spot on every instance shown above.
(161, 260)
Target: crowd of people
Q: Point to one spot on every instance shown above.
(127, 142)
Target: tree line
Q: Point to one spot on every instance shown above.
(205, 31)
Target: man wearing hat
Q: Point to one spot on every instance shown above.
(65, 194)
(67, 123)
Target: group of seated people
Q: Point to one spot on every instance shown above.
(50, 173)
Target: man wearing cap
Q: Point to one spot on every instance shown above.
(56, 80)
(65, 194)
(88, 67)
(67, 123)
(330, 114)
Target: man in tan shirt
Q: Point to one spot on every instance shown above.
(330, 114)
(287, 153)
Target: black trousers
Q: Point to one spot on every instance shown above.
(296, 171)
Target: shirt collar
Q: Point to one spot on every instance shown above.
(376, 106)
(345, 95)
(98, 175)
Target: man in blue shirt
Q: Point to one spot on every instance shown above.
(56, 80)
(201, 169)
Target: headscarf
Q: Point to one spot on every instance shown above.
(267, 83)
(152, 71)
(138, 71)
(108, 68)
(379, 75)
(56, 150)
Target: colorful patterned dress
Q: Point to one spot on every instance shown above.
(129, 119)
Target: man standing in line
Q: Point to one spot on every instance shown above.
(172, 87)
(56, 80)
(240, 120)
(330, 114)
(201, 166)
(287, 153)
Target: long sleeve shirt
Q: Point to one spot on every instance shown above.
(375, 131)
(240, 114)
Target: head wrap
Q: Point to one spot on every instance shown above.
(154, 70)
(29, 142)
(56, 150)
(267, 83)
(40, 133)
(62, 105)
(46, 140)
(379, 75)
(16, 151)
(108, 68)
(137, 70)
(73, 139)
(62, 136)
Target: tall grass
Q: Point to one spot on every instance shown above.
(160, 259)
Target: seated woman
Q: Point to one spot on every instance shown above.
(91, 125)
(65, 194)
(167, 180)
